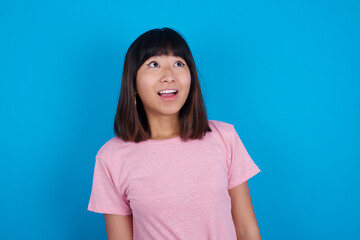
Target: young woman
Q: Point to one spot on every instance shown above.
(170, 173)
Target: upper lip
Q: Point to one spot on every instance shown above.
(169, 88)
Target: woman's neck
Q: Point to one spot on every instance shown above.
(164, 127)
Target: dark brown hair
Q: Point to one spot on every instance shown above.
(131, 123)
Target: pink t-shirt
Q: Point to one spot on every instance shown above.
(174, 189)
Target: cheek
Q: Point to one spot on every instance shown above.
(187, 81)
(142, 84)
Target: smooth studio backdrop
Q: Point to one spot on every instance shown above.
(285, 73)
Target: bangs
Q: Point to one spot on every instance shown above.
(161, 42)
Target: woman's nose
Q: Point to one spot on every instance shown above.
(167, 74)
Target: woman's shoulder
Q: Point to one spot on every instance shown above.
(111, 148)
(223, 132)
(221, 127)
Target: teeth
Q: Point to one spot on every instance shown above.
(167, 91)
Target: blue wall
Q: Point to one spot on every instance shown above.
(285, 73)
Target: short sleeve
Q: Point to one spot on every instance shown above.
(105, 197)
(242, 167)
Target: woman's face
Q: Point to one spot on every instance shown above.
(159, 73)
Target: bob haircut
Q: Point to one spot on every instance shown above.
(131, 123)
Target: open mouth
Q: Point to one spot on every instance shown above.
(168, 93)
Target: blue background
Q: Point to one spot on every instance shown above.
(285, 73)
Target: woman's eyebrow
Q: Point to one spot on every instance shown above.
(150, 59)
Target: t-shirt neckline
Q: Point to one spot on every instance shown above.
(167, 140)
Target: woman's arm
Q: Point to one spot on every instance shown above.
(118, 227)
(243, 213)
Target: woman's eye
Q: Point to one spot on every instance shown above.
(153, 64)
(179, 64)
